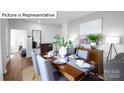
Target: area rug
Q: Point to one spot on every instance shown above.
(92, 77)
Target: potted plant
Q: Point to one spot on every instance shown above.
(94, 39)
(60, 41)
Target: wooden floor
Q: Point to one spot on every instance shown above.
(15, 67)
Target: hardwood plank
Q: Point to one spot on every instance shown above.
(15, 67)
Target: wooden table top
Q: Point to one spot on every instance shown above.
(70, 72)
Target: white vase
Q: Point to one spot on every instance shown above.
(93, 45)
(63, 51)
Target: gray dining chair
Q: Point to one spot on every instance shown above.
(37, 50)
(46, 71)
(35, 62)
(82, 54)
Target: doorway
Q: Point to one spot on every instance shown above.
(18, 41)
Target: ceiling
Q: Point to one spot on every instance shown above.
(62, 16)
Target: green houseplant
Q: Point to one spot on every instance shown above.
(60, 41)
(94, 39)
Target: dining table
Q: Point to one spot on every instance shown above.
(69, 69)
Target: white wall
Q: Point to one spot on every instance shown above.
(28, 26)
(18, 37)
(1, 70)
(65, 30)
(113, 24)
(4, 43)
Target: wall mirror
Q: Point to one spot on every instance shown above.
(89, 27)
(36, 38)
